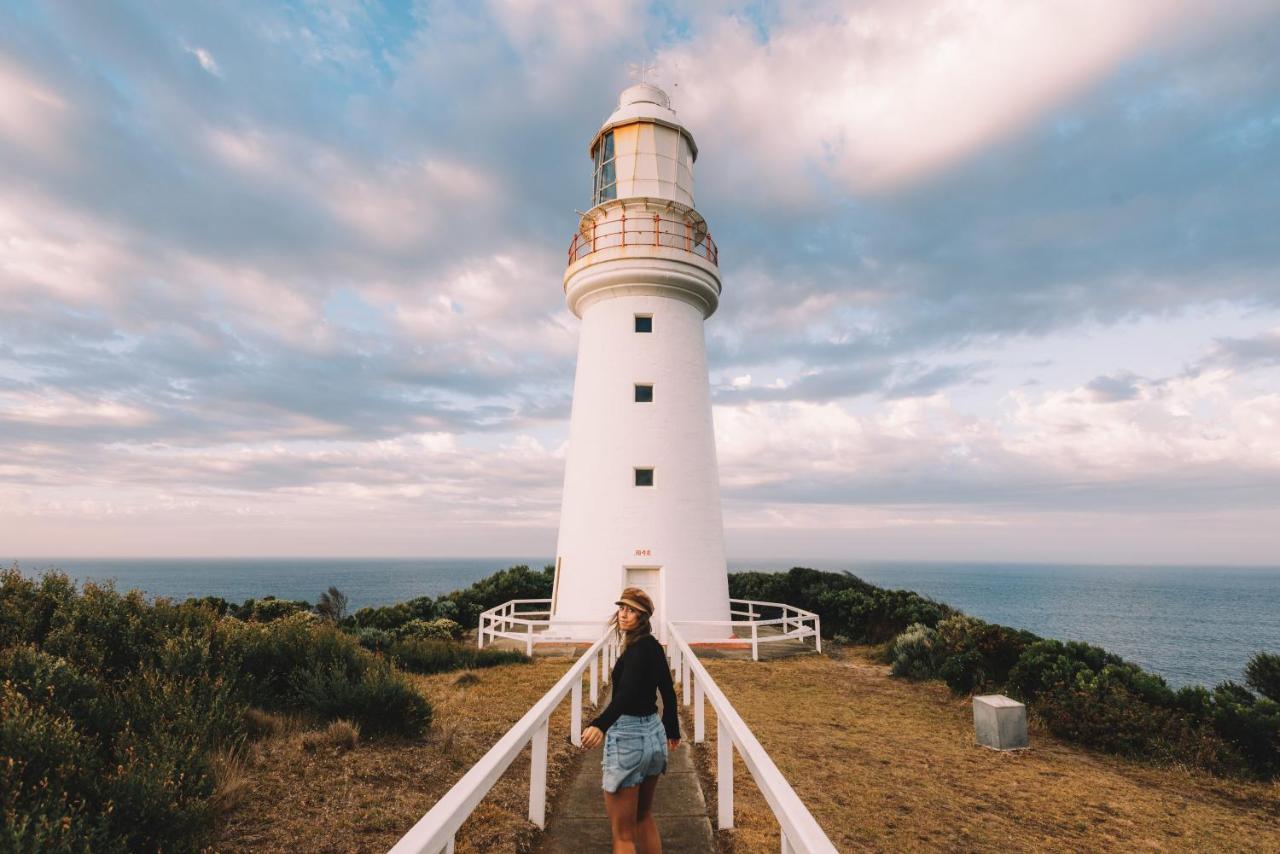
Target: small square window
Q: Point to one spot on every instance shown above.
(644, 323)
(644, 477)
(644, 393)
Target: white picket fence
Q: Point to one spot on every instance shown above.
(522, 621)
(435, 831)
(799, 831)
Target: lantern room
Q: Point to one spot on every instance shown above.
(641, 151)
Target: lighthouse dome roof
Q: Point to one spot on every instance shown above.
(643, 102)
(644, 93)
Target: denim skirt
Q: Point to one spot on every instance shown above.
(634, 748)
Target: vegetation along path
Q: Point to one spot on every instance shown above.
(888, 764)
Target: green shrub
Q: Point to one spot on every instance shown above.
(516, 582)
(973, 654)
(421, 655)
(1262, 674)
(1250, 724)
(376, 697)
(913, 655)
(1100, 710)
(387, 618)
(43, 780)
(1046, 663)
(439, 629)
(377, 640)
(27, 605)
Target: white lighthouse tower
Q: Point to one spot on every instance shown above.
(641, 491)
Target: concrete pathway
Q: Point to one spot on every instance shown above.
(578, 824)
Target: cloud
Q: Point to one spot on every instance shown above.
(266, 271)
(1258, 351)
(206, 60)
(890, 92)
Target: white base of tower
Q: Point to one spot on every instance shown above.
(667, 538)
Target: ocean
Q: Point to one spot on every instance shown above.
(1192, 625)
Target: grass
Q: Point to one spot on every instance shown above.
(887, 764)
(366, 798)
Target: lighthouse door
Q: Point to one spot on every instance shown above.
(649, 579)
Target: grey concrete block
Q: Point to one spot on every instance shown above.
(1000, 723)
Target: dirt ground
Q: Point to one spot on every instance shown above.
(885, 764)
(365, 799)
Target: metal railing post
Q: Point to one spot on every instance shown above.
(724, 776)
(575, 713)
(686, 676)
(528, 641)
(755, 642)
(538, 774)
(480, 633)
(656, 230)
(817, 632)
(699, 713)
(595, 679)
(624, 228)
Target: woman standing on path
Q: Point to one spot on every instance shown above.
(636, 742)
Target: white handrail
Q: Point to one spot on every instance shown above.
(435, 831)
(800, 831)
(501, 622)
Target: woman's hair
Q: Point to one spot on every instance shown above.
(643, 627)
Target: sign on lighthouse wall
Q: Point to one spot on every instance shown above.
(641, 499)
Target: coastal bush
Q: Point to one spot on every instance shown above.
(424, 655)
(847, 605)
(1262, 674)
(375, 639)
(974, 654)
(391, 617)
(374, 696)
(1101, 710)
(438, 629)
(516, 582)
(44, 779)
(913, 655)
(27, 605)
(332, 605)
(116, 713)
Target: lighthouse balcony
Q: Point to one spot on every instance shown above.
(641, 232)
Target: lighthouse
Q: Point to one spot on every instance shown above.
(641, 502)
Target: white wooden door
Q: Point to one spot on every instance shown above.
(649, 579)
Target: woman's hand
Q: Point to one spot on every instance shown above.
(672, 744)
(592, 737)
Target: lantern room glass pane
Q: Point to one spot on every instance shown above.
(606, 177)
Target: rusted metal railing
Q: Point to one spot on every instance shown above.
(644, 231)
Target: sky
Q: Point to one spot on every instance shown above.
(1001, 279)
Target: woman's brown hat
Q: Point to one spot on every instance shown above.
(636, 598)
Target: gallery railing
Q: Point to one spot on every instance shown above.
(641, 231)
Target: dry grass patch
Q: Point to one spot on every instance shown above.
(888, 764)
(340, 736)
(365, 799)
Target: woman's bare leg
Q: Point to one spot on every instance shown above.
(647, 839)
(621, 807)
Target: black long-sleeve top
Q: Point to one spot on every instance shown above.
(639, 674)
